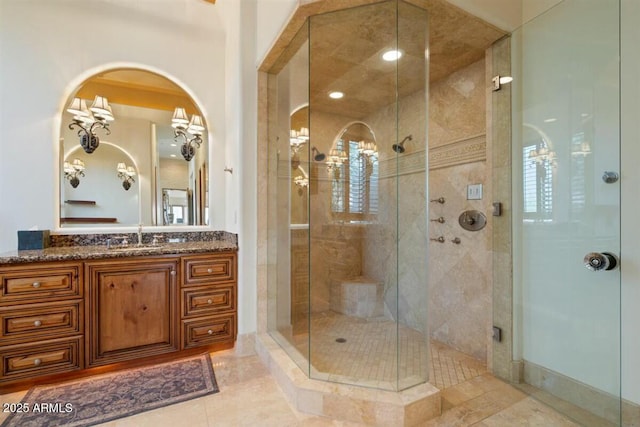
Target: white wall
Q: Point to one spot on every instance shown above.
(47, 47)
(272, 15)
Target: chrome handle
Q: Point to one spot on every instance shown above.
(596, 261)
(37, 362)
(440, 220)
(36, 285)
(37, 323)
(440, 239)
(210, 332)
(456, 240)
(438, 200)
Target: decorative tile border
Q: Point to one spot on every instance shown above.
(467, 150)
(405, 164)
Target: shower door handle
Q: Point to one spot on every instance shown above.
(596, 261)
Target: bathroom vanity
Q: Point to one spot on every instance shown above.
(68, 309)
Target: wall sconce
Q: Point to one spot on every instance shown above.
(335, 160)
(298, 138)
(126, 173)
(368, 150)
(89, 120)
(189, 130)
(543, 155)
(74, 170)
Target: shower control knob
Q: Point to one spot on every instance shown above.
(596, 261)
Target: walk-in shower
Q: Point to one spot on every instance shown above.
(366, 280)
(349, 286)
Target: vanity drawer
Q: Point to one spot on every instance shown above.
(207, 269)
(40, 320)
(41, 282)
(208, 301)
(210, 330)
(45, 357)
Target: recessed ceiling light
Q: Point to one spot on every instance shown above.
(174, 145)
(173, 155)
(550, 120)
(392, 55)
(336, 95)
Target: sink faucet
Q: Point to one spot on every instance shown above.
(139, 234)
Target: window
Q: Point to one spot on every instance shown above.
(537, 180)
(355, 182)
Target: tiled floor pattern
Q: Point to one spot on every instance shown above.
(250, 396)
(449, 367)
(372, 350)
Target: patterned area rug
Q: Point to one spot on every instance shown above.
(106, 397)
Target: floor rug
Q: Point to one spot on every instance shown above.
(106, 397)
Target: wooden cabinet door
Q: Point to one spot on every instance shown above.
(132, 309)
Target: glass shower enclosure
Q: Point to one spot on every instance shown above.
(347, 191)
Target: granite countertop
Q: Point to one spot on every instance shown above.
(99, 250)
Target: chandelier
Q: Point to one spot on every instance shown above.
(88, 120)
(543, 155)
(369, 150)
(73, 170)
(335, 159)
(189, 130)
(582, 149)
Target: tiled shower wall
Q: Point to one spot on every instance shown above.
(458, 304)
(460, 275)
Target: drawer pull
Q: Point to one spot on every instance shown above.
(37, 323)
(37, 362)
(209, 270)
(210, 332)
(209, 301)
(36, 285)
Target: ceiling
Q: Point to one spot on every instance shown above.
(139, 88)
(346, 47)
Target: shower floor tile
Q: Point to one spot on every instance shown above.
(376, 351)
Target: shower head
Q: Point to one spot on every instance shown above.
(399, 148)
(317, 156)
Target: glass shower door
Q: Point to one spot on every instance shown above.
(566, 158)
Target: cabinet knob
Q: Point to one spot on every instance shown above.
(209, 270)
(209, 301)
(173, 272)
(210, 332)
(36, 285)
(37, 362)
(37, 323)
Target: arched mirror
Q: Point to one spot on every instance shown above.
(131, 142)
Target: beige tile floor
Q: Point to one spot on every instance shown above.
(374, 349)
(250, 396)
